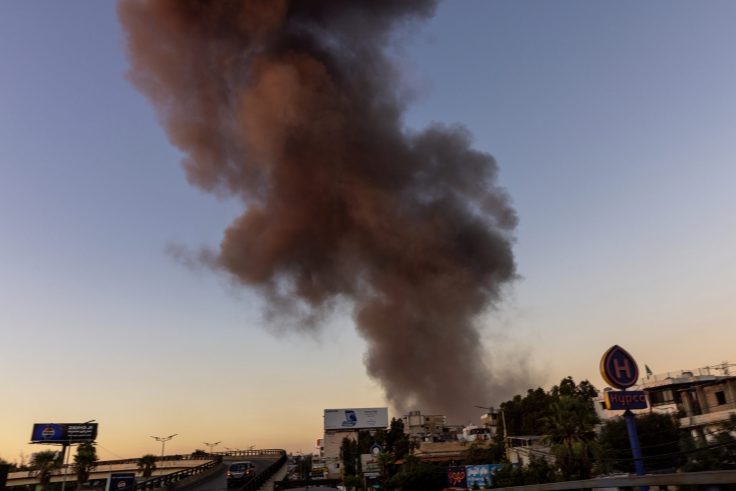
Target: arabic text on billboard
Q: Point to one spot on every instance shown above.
(63, 432)
(358, 418)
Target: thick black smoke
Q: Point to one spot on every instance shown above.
(294, 107)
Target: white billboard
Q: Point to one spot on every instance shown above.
(356, 418)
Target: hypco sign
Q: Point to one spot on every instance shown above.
(358, 418)
(618, 368)
(625, 399)
(63, 432)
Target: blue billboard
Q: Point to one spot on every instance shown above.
(122, 481)
(63, 432)
(480, 475)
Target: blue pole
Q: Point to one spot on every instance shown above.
(634, 442)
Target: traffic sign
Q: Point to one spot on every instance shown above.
(625, 399)
(619, 368)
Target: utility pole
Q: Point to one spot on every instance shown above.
(163, 440)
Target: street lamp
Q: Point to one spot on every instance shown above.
(212, 445)
(163, 440)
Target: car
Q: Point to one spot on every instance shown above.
(240, 472)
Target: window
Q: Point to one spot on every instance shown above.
(721, 397)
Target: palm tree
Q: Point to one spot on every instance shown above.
(43, 464)
(571, 428)
(84, 461)
(385, 460)
(147, 464)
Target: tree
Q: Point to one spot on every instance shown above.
(353, 482)
(11, 465)
(571, 429)
(416, 475)
(478, 453)
(147, 464)
(659, 438)
(716, 453)
(84, 461)
(350, 456)
(385, 466)
(44, 463)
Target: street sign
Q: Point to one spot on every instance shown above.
(376, 449)
(621, 400)
(618, 368)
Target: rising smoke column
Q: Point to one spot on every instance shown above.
(294, 107)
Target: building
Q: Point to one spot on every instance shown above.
(424, 427)
(701, 399)
(346, 423)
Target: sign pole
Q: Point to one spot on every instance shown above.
(634, 442)
(620, 370)
(65, 461)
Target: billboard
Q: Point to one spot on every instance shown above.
(481, 475)
(63, 432)
(456, 476)
(357, 418)
(122, 481)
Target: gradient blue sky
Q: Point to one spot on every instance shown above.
(614, 124)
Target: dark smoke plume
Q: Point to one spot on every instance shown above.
(294, 107)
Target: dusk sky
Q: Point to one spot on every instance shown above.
(614, 128)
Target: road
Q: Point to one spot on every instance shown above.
(218, 482)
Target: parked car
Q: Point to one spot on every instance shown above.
(240, 472)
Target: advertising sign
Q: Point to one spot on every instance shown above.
(456, 476)
(619, 368)
(369, 464)
(482, 475)
(63, 432)
(359, 418)
(625, 399)
(122, 481)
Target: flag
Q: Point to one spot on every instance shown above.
(649, 370)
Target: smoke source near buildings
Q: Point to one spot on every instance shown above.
(293, 107)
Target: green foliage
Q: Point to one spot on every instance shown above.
(43, 464)
(539, 471)
(12, 466)
(350, 456)
(524, 415)
(716, 453)
(659, 437)
(565, 415)
(570, 427)
(478, 453)
(85, 460)
(416, 475)
(147, 464)
(354, 482)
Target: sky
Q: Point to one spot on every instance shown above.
(614, 127)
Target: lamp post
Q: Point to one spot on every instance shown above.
(211, 445)
(163, 440)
